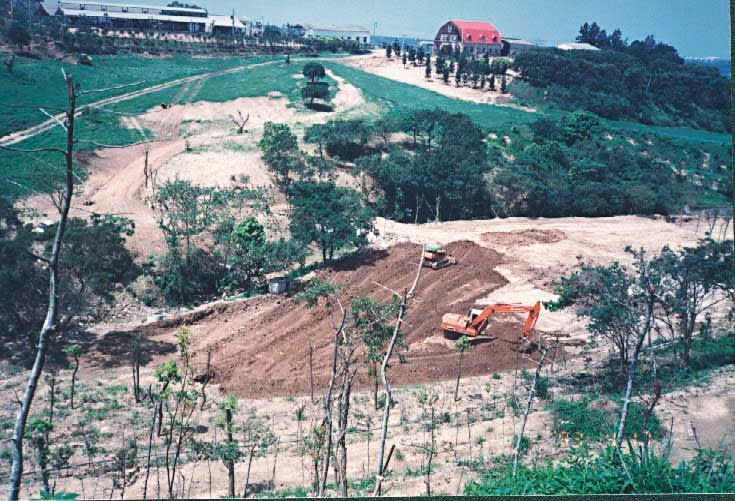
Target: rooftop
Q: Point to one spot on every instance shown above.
(335, 27)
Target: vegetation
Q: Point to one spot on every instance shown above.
(645, 81)
(609, 472)
(332, 217)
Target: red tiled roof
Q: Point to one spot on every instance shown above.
(478, 32)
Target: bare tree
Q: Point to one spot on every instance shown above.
(136, 354)
(240, 121)
(52, 323)
(543, 349)
(404, 303)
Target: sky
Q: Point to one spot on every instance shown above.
(698, 28)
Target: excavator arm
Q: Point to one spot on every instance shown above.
(480, 322)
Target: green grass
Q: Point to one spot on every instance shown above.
(39, 82)
(276, 76)
(25, 174)
(585, 419)
(391, 95)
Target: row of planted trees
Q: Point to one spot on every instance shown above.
(465, 68)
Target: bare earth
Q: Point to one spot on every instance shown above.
(377, 64)
(260, 345)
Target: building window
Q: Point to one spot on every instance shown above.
(449, 28)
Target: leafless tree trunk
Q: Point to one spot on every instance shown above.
(150, 442)
(633, 368)
(327, 423)
(543, 350)
(311, 372)
(230, 463)
(50, 322)
(207, 377)
(407, 295)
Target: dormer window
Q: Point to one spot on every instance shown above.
(449, 28)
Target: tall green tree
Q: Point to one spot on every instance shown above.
(332, 217)
(281, 151)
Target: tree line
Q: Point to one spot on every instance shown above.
(645, 81)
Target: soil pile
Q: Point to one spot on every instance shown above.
(260, 347)
(523, 237)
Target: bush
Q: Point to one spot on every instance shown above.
(18, 34)
(593, 420)
(601, 472)
(579, 418)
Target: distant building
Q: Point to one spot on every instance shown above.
(576, 46)
(513, 46)
(225, 25)
(293, 30)
(129, 16)
(330, 31)
(160, 18)
(477, 37)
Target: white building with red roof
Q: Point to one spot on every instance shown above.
(478, 37)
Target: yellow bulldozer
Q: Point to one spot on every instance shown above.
(436, 257)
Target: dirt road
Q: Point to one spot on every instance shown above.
(21, 135)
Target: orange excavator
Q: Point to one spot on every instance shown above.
(475, 322)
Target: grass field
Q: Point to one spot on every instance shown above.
(39, 82)
(33, 83)
(390, 94)
(25, 174)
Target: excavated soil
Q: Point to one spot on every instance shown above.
(260, 347)
(523, 237)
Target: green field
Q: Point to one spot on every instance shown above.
(396, 95)
(41, 171)
(39, 82)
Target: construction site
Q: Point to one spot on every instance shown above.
(331, 274)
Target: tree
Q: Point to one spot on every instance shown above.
(346, 139)
(370, 321)
(190, 216)
(330, 216)
(463, 346)
(136, 357)
(500, 65)
(313, 71)
(258, 438)
(619, 305)
(691, 287)
(18, 34)
(403, 305)
(229, 452)
(52, 322)
(314, 88)
(280, 151)
(76, 352)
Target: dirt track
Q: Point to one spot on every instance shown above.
(260, 346)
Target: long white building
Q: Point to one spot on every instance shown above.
(359, 34)
(142, 17)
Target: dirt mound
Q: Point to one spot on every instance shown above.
(523, 237)
(260, 346)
